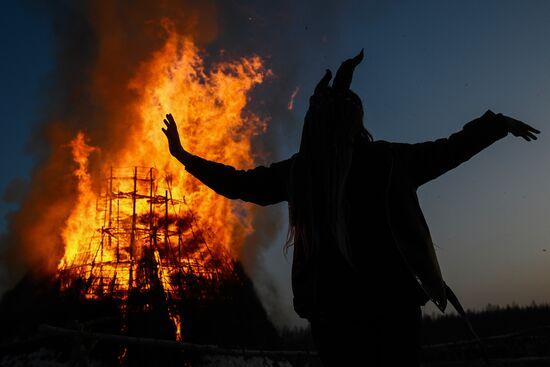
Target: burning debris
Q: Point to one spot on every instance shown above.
(211, 107)
(147, 275)
(139, 247)
(290, 106)
(146, 243)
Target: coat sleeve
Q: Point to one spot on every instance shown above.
(261, 185)
(427, 161)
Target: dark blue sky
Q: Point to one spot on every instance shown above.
(27, 59)
(430, 67)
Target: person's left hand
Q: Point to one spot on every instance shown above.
(519, 128)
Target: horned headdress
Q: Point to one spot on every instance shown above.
(339, 97)
(343, 78)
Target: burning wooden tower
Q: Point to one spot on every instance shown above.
(148, 243)
(150, 252)
(151, 247)
(150, 271)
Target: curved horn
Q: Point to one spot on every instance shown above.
(323, 83)
(342, 80)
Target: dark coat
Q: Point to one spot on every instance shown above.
(387, 230)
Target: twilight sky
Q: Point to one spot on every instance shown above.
(430, 67)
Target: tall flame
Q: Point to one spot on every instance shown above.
(79, 224)
(208, 105)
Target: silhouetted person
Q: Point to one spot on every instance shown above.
(363, 258)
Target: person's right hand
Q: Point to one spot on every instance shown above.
(519, 128)
(171, 132)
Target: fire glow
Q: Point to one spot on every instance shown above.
(146, 207)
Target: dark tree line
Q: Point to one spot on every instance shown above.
(491, 321)
(447, 328)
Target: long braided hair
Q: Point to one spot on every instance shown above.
(318, 205)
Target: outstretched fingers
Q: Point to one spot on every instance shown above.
(529, 132)
(520, 129)
(170, 130)
(531, 128)
(171, 120)
(171, 127)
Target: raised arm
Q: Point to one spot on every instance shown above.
(261, 185)
(427, 161)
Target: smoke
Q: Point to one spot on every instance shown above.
(285, 33)
(99, 47)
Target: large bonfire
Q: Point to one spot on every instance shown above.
(139, 218)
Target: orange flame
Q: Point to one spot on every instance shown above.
(79, 224)
(142, 211)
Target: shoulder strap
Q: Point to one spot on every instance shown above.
(451, 296)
